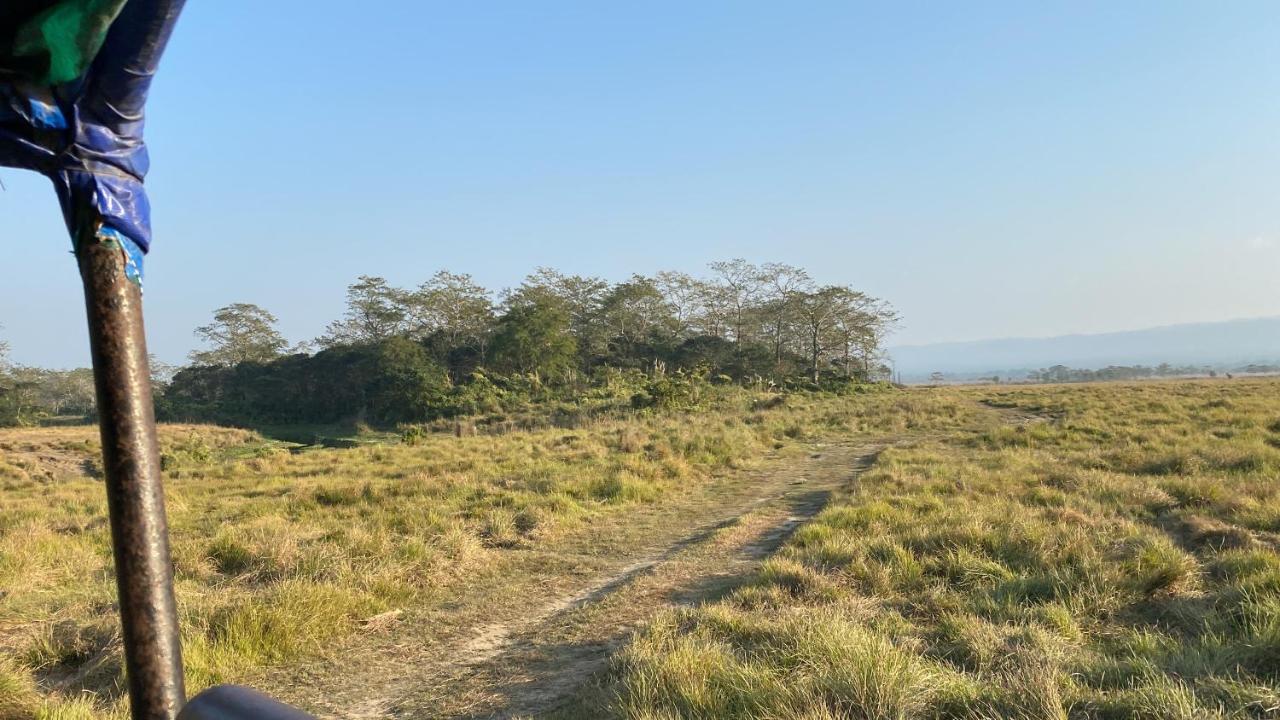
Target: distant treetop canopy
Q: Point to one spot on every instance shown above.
(748, 323)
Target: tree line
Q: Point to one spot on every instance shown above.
(27, 393)
(1064, 374)
(1058, 374)
(31, 394)
(450, 346)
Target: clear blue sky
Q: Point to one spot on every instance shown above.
(991, 168)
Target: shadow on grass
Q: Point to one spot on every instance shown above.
(565, 680)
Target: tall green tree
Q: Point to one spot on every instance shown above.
(685, 295)
(736, 287)
(535, 338)
(375, 311)
(19, 398)
(861, 324)
(453, 307)
(579, 296)
(634, 315)
(67, 392)
(239, 333)
(782, 286)
(818, 312)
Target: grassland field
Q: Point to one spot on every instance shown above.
(1081, 551)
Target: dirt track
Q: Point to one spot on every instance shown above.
(523, 639)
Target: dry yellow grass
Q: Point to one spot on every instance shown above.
(1116, 558)
(279, 554)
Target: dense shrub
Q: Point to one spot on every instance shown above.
(392, 381)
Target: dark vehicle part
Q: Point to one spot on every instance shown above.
(135, 497)
(233, 702)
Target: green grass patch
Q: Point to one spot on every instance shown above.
(1114, 559)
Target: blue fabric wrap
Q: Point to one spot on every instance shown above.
(86, 136)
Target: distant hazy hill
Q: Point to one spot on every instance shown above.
(1225, 344)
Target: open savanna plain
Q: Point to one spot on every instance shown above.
(1111, 555)
(1090, 551)
(298, 570)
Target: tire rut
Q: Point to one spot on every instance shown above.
(523, 637)
(534, 665)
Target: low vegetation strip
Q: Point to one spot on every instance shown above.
(279, 555)
(1117, 559)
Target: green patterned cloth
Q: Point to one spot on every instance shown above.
(52, 41)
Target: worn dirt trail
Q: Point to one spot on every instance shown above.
(523, 638)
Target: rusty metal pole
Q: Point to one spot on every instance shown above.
(135, 497)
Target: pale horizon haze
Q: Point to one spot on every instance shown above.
(992, 169)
